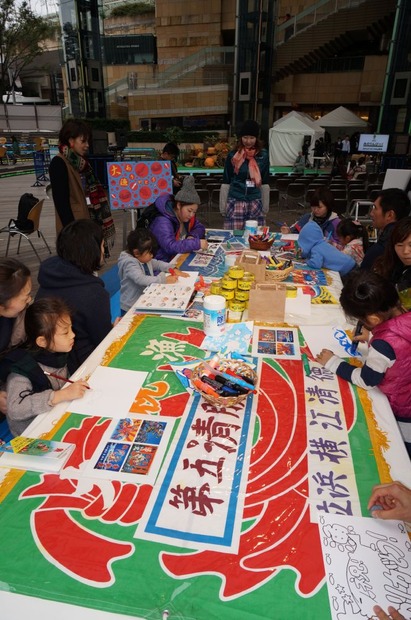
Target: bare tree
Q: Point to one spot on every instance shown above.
(22, 37)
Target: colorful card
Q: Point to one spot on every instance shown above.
(132, 449)
(280, 343)
(236, 338)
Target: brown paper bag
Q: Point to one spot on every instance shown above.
(267, 303)
(250, 260)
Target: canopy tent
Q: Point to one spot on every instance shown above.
(341, 118)
(287, 135)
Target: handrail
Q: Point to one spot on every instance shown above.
(310, 17)
(202, 58)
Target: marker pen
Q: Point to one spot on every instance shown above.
(354, 345)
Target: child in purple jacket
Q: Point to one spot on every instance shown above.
(176, 228)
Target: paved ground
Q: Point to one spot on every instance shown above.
(12, 187)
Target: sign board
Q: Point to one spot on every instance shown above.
(132, 185)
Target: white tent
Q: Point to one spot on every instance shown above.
(286, 137)
(341, 118)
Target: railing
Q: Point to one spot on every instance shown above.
(311, 16)
(183, 71)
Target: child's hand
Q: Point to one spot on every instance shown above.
(3, 402)
(324, 356)
(181, 274)
(72, 392)
(203, 244)
(363, 337)
(171, 279)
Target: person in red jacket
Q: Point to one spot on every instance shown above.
(374, 301)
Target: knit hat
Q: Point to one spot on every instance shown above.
(188, 193)
(250, 128)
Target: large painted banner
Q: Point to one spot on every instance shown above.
(229, 529)
(132, 185)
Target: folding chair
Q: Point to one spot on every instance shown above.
(33, 216)
(204, 202)
(357, 194)
(340, 206)
(360, 210)
(295, 192)
(282, 184)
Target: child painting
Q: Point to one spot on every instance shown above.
(369, 298)
(137, 267)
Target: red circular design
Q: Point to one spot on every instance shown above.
(162, 183)
(141, 169)
(156, 168)
(145, 193)
(124, 195)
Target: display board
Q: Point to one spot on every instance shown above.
(132, 185)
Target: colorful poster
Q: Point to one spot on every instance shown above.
(132, 185)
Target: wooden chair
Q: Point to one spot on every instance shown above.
(33, 216)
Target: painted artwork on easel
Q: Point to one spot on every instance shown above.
(132, 185)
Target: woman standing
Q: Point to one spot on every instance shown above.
(246, 169)
(77, 192)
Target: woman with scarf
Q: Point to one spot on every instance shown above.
(77, 192)
(322, 205)
(246, 172)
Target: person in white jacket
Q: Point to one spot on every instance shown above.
(137, 268)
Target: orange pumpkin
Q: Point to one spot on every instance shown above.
(209, 162)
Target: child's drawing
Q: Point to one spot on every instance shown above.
(367, 563)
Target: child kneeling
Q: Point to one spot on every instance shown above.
(136, 267)
(38, 369)
(374, 301)
(319, 253)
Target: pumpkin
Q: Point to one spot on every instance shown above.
(209, 162)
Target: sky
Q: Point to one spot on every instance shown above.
(44, 7)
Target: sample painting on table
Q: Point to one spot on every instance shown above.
(279, 343)
(319, 294)
(164, 298)
(132, 185)
(130, 447)
(235, 339)
(202, 259)
(307, 276)
(368, 563)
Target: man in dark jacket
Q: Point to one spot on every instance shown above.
(391, 205)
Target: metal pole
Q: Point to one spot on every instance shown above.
(389, 65)
(235, 77)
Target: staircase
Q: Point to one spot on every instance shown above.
(317, 34)
(210, 66)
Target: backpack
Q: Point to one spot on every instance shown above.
(148, 215)
(26, 203)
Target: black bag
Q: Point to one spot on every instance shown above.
(148, 215)
(26, 203)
